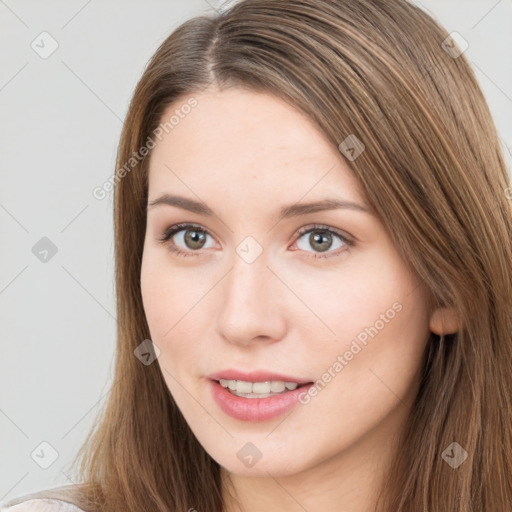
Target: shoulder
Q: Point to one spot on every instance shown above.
(60, 499)
(40, 505)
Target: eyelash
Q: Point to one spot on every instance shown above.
(176, 228)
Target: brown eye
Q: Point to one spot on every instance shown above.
(185, 239)
(320, 241)
(323, 240)
(194, 239)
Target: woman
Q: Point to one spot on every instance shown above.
(253, 371)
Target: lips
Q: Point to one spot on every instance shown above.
(256, 376)
(255, 409)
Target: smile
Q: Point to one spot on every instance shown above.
(256, 401)
(257, 389)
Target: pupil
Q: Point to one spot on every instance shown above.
(195, 237)
(317, 239)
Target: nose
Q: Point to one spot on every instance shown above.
(252, 304)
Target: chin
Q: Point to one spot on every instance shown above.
(281, 465)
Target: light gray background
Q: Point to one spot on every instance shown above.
(61, 119)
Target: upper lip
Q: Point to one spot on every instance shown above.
(255, 376)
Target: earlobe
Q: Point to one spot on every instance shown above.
(444, 320)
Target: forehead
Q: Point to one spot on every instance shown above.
(247, 143)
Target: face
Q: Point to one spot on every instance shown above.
(241, 292)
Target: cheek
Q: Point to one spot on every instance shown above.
(381, 335)
(160, 284)
(171, 298)
(355, 295)
(377, 317)
(372, 366)
(158, 289)
(169, 295)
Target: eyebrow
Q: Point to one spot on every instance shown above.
(293, 210)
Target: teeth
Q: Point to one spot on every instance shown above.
(243, 387)
(277, 386)
(266, 388)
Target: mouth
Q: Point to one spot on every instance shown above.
(263, 389)
(259, 400)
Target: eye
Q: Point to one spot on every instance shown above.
(321, 239)
(193, 238)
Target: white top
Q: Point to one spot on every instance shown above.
(42, 505)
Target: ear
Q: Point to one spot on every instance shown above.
(444, 320)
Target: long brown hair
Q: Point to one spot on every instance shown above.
(434, 172)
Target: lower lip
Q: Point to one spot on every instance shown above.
(255, 409)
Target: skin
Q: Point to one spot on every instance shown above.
(245, 155)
